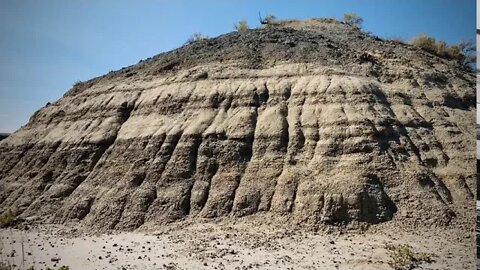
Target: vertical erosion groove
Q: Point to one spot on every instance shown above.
(157, 170)
(260, 99)
(74, 206)
(206, 168)
(285, 147)
(185, 204)
(173, 188)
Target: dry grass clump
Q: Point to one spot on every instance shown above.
(463, 52)
(196, 37)
(241, 26)
(352, 19)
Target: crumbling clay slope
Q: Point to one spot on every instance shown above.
(315, 121)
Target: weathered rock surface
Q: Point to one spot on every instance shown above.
(312, 120)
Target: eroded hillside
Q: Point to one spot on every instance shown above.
(315, 121)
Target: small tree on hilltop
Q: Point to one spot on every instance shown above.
(242, 26)
(352, 19)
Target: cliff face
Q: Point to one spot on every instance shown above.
(312, 120)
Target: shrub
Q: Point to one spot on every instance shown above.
(196, 37)
(242, 26)
(404, 258)
(7, 218)
(425, 42)
(268, 21)
(463, 52)
(77, 83)
(352, 19)
(468, 48)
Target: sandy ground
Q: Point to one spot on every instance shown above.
(217, 246)
(478, 234)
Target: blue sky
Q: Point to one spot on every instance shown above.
(46, 46)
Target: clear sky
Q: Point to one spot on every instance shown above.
(46, 46)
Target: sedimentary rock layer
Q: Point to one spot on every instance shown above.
(316, 121)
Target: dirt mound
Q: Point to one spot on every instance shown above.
(314, 121)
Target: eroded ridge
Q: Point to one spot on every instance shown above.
(328, 144)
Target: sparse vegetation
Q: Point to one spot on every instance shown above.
(468, 49)
(352, 19)
(242, 26)
(196, 37)
(268, 21)
(329, 20)
(77, 83)
(396, 39)
(463, 52)
(7, 218)
(404, 258)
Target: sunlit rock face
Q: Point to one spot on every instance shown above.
(310, 120)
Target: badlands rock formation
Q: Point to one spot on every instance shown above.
(313, 121)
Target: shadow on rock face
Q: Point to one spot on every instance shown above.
(376, 205)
